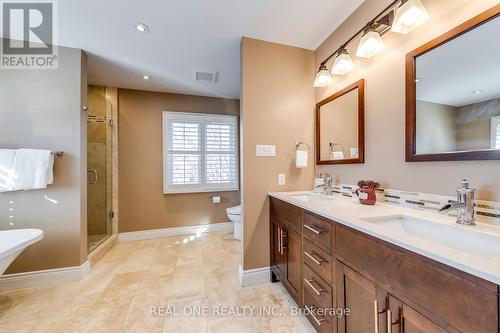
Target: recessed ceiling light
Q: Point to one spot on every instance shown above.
(477, 92)
(146, 77)
(141, 27)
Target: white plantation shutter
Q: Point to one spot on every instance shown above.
(495, 132)
(201, 152)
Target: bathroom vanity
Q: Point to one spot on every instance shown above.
(331, 252)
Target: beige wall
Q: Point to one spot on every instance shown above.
(385, 105)
(42, 109)
(339, 124)
(277, 108)
(474, 124)
(436, 128)
(142, 204)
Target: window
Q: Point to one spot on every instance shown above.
(495, 132)
(200, 152)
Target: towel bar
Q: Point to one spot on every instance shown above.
(58, 153)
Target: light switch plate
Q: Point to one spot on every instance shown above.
(281, 179)
(266, 150)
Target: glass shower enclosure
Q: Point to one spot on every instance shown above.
(99, 167)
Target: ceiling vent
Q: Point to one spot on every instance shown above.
(206, 76)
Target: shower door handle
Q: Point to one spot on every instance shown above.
(92, 176)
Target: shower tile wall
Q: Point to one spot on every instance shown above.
(98, 148)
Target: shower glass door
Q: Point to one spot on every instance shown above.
(99, 167)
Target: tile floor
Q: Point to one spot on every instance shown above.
(169, 273)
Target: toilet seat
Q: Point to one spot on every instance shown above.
(236, 210)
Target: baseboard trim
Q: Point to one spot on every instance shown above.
(45, 277)
(255, 276)
(177, 231)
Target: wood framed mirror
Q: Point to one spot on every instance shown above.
(340, 126)
(453, 94)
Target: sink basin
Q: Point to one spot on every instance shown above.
(311, 197)
(467, 241)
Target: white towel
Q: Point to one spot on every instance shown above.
(301, 157)
(337, 155)
(33, 169)
(7, 157)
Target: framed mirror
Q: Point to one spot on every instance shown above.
(340, 126)
(453, 94)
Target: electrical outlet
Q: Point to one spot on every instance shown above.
(281, 179)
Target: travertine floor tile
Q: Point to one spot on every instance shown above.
(119, 294)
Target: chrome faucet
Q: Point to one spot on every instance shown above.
(464, 205)
(327, 184)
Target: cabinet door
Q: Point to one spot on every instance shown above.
(293, 267)
(406, 320)
(277, 247)
(358, 294)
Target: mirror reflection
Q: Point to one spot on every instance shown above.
(338, 123)
(458, 93)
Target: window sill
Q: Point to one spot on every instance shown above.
(236, 189)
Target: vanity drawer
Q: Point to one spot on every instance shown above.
(466, 302)
(322, 323)
(318, 230)
(286, 213)
(319, 289)
(318, 260)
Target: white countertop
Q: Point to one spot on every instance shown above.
(351, 213)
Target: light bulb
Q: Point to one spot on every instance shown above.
(343, 63)
(370, 44)
(410, 15)
(323, 78)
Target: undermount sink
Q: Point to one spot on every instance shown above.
(310, 197)
(467, 241)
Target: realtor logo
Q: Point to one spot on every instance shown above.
(28, 35)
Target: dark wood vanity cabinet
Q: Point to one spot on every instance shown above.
(386, 288)
(286, 247)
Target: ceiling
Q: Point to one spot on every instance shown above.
(451, 73)
(188, 35)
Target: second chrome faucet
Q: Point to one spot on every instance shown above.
(464, 205)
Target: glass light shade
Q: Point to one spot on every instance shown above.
(370, 44)
(323, 78)
(343, 64)
(410, 15)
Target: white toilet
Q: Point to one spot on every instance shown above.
(234, 214)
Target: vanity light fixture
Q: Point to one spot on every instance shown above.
(343, 63)
(323, 78)
(410, 15)
(370, 44)
(141, 27)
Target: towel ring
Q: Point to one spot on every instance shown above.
(298, 143)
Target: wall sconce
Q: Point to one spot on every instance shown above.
(323, 78)
(370, 44)
(409, 15)
(343, 63)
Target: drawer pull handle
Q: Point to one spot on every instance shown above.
(310, 256)
(310, 284)
(376, 313)
(318, 321)
(389, 321)
(313, 229)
